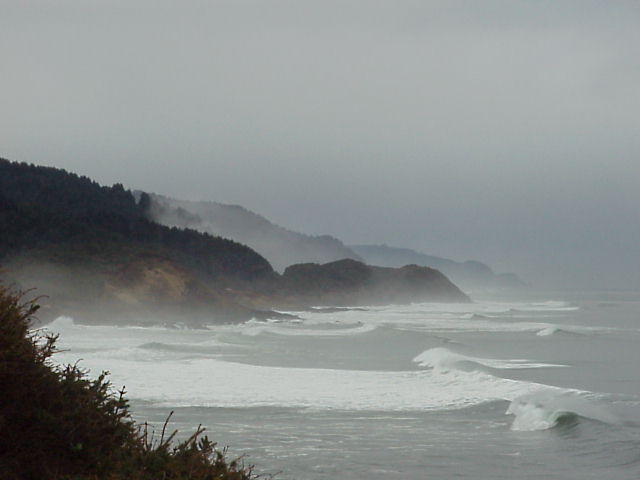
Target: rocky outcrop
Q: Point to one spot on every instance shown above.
(98, 258)
(147, 289)
(349, 282)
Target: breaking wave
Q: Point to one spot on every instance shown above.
(441, 358)
(546, 410)
(209, 382)
(318, 330)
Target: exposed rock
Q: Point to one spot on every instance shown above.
(148, 290)
(98, 258)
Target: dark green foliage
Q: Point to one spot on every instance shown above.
(58, 424)
(43, 207)
(144, 204)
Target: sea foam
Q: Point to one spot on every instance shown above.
(441, 358)
(545, 409)
(218, 383)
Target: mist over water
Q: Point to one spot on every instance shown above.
(545, 387)
(500, 131)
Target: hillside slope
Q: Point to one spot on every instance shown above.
(92, 249)
(350, 282)
(60, 424)
(470, 275)
(100, 259)
(280, 246)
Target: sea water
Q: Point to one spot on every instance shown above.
(542, 387)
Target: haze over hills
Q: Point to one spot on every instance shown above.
(97, 255)
(283, 247)
(92, 250)
(470, 274)
(342, 282)
(280, 246)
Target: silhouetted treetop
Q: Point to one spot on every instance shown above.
(44, 207)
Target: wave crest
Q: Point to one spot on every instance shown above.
(544, 410)
(441, 358)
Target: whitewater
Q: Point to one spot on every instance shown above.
(541, 387)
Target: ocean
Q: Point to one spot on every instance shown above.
(543, 385)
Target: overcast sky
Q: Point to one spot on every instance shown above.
(500, 130)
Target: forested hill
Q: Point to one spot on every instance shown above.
(44, 208)
(96, 255)
(282, 247)
(471, 274)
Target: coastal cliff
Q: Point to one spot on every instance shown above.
(349, 282)
(99, 258)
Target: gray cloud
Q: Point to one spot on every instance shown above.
(505, 131)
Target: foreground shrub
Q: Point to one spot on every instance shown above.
(58, 424)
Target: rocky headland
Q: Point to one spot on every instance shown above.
(469, 275)
(100, 258)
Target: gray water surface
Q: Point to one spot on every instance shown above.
(401, 392)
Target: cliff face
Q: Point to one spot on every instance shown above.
(140, 288)
(280, 246)
(95, 254)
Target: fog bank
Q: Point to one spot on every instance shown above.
(500, 131)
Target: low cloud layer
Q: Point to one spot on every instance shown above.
(505, 131)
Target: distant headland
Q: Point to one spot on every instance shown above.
(101, 257)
